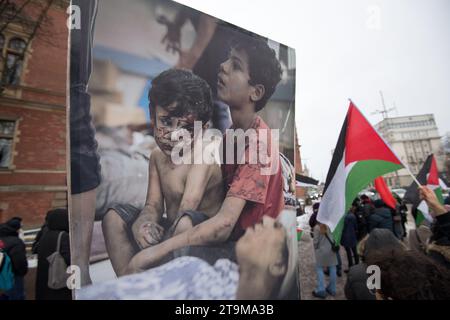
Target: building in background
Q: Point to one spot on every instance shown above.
(33, 64)
(412, 138)
(300, 191)
(446, 147)
(304, 183)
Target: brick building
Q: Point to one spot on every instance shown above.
(33, 68)
(299, 191)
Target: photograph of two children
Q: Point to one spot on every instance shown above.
(182, 151)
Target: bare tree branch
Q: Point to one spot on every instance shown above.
(14, 16)
(36, 27)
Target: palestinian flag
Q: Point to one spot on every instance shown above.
(360, 156)
(428, 176)
(385, 193)
(299, 234)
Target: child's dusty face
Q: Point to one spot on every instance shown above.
(233, 85)
(167, 124)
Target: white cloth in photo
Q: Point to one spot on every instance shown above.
(185, 278)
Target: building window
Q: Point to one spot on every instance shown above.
(14, 61)
(7, 129)
(2, 42)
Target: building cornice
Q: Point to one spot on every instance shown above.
(28, 104)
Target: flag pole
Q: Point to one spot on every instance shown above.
(405, 166)
(410, 173)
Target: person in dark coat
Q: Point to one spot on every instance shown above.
(313, 217)
(356, 285)
(44, 229)
(360, 219)
(367, 206)
(404, 215)
(381, 218)
(349, 239)
(15, 249)
(57, 222)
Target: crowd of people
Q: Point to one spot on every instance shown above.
(373, 234)
(52, 237)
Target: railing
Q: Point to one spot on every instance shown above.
(29, 237)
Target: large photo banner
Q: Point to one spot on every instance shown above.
(181, 156)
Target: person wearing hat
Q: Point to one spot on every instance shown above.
(15, 249)
(55, 236)
(381, 218)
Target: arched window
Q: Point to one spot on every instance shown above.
(14, 61)
(7, 128)
(17, 45)
(2, 44)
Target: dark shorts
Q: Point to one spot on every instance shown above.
(84, 159)
(129, 213)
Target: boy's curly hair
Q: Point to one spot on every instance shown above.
(410, 275)
(190, 92)
(264, 67)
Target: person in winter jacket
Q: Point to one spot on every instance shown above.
(57, 222)
(325, 258)
(367, 206)
(313, 218)
(360, 219)
(381, 218)
(15, 249)
(349, 239)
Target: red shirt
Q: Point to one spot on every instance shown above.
(263, 192)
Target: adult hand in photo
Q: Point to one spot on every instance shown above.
(430, 197)
(187, 60)
(172, 37)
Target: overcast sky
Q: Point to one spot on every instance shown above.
(352, 49)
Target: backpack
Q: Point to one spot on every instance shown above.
(6, 273)
(57, 276)
(334, 247)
